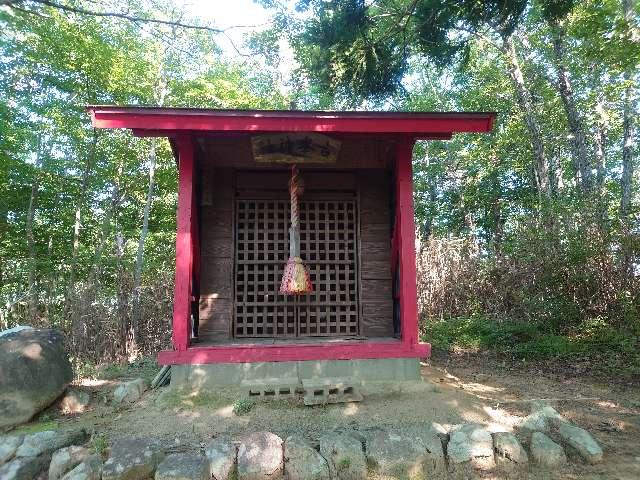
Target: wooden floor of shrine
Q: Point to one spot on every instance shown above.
(291, 341)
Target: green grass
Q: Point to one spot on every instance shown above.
(37, 427)
(98, 444)
(610, 349)
(344, 464)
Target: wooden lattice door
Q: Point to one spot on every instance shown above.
(328, 235)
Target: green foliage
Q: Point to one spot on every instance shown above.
(143, 367)
(243, 406)
(74, 178)
(99, 445)
(344, 464)
(607, 349)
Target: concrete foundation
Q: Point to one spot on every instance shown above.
(374, 375)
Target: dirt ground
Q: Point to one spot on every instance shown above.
(456, 389)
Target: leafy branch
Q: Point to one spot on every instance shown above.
(21, 4)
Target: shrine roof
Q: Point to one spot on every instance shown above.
(171, 122)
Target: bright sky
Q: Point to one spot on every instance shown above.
(227, 13)
(224, 13)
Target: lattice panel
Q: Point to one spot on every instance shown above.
(328, 247)
(261, 250)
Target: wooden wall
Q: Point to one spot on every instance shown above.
(376, 302)
(371, 183)
(216, 252)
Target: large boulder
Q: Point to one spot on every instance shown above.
(344, 455)
(580, 442)
(8, 446)
(183, 466)
(48, 441)
(395, 454)
(302, 461)
(470, 447)
(221, 454)
(66, 459)
(508, 451)
(545, 452)
(260, 457)
(89, 469)
(133, 459)
(543, 418)
(24, 468)
(435, 465)
(34, 371)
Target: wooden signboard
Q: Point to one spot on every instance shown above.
(295, 148)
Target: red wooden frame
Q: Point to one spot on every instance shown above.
(405, 242)
(181, 125)
(184, 244)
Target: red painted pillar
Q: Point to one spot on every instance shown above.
(405, 242)
(184, 243)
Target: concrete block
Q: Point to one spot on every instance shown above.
(272, 388)
(330, 390)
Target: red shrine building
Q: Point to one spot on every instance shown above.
(356, 239)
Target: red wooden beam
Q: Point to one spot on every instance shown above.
(416, 124)
(290, 353)
(184, 244)
(141, 132)
(404, 242)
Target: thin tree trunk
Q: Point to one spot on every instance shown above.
(137, 278)
(4, 230)
(31, 244)
(525, 104)
(88, 165)
(627, 127)
(627, 155)
(121, 283)
(626, 180)
(599, 140)
(135, 314)
(71, 298)
(574, 121)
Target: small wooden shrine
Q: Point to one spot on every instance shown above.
(356, 232)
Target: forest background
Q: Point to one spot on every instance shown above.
(529, 236)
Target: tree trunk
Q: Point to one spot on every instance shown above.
(31, 244)
(88, 165)
(135, 314)
(110, 214)
(599, 140)
(72, 297)
(574, 121)
(525, 104)
(161, 91)
(626, 180)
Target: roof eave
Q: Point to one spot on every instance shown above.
(148, 121)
